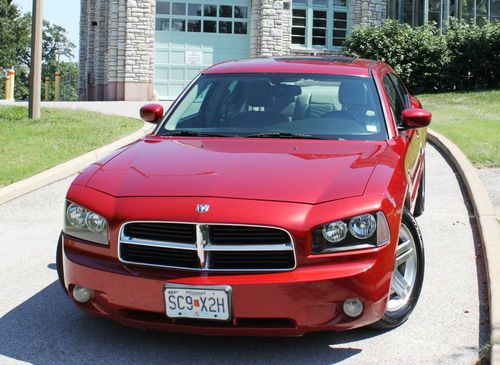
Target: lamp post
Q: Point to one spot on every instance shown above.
(36, 60)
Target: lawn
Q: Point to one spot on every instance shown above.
(471, 120)
(29, 147)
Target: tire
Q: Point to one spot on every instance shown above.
(420, 203)
(59, 263)
(408, 272)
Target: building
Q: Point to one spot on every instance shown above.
(150, 49)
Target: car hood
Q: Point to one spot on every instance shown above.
(302, 171)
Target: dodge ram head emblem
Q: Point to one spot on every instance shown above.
(202, 208)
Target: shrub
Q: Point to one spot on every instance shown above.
(466, 57)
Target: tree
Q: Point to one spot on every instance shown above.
(15, 51)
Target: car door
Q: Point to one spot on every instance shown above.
(400, 100)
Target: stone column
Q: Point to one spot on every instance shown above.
(100, 45)
(90, 64)
(139, 50)
(270, 28)
(82, 78)
(111, 58)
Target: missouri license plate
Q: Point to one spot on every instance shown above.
(205, 302)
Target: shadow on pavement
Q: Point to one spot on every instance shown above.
(47, 328)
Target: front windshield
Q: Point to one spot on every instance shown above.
(280, 106)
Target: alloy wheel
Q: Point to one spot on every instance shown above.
(405, 270)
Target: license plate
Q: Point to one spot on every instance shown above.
(206, 302)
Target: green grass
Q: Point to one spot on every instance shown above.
(29, 147)
(471, 120)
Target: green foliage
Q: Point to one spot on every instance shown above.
(28, 147)
(471, 120)
(15, 51)
(465, 57)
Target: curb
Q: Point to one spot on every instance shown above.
(68, 168)
(488, 227)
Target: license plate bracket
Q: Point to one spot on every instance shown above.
(198, 301)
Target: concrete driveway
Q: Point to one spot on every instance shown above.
(39, 325)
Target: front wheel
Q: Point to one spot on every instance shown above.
(407, 277)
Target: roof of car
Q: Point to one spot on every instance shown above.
(334, 65)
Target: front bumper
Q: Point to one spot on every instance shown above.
(283, 304)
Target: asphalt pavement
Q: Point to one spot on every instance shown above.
(39, 325)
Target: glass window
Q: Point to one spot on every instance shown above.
(194, 9)
(241, 12)
(299, 22)
(249, 104)
(397, 105)
(339, 28)
(339, 2)
(401, 89)
(163, 7)
(240, 28)
(225, 11)
(495, 10)
(162, 24)
(319, 24)
(178, 25)
(225, 27)
(210, 26)
(319, 28)
(210, 10)
(194, 25)
(178, 8)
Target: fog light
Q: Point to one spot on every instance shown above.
(353, 307)
(82, 295)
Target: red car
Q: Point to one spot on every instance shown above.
(275, 197)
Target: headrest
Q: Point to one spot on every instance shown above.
(259, 94)
(286, 91)
(353, 93)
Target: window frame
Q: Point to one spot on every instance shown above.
(202, 17)
(331, 10)
(397, 94)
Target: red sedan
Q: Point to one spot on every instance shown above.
(275, 197)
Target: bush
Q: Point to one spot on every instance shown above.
(466, 57)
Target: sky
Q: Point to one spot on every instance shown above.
(64, 13)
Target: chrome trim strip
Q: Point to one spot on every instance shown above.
(270, 247)
(202, 246)
(162, 244)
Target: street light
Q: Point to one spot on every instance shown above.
(36, 60)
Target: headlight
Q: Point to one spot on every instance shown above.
(362, 231)
(335, 232)
(82, 223)
(363, 226)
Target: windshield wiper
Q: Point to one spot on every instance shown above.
(282, 135)
(193, 134)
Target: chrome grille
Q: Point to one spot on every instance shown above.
(217, 247)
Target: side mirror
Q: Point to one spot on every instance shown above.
(152, 113)
(415, 118)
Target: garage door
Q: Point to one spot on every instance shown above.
(193, 35)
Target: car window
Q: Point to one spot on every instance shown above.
(401, 89)
(322, 106)
(396, 101)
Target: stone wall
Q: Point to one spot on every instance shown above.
(365, 12)
(270, 28)
(117, 49)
